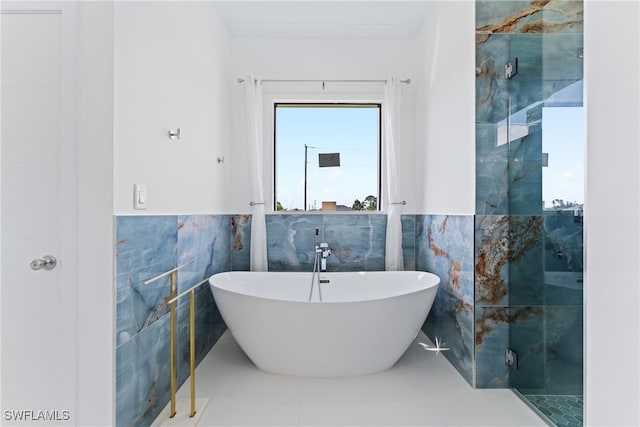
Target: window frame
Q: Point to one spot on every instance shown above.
(317, 93)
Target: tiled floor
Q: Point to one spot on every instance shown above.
(422, 389)
(562, 410)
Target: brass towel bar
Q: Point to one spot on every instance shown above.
(173, 299)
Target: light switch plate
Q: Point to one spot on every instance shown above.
(139, 196)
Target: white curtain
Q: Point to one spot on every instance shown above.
(258, 250)
(391, 117)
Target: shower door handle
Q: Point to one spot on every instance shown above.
(48, 262)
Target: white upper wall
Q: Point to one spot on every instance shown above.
(319, 58)
(176, 67)
(445, 114)
(170, 72)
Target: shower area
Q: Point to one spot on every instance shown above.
(529, 201)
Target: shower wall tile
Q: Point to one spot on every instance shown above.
(527, 340)
(548, 341)
(526, 273)
(492, 102)
(545, 38)
(525, 173)
(508, 260)
(491, 340)
(508, 176)
(512, 241)
(563, 242)
(563, 340)
(491, 260)
(491, 12)
(492, 172)
(147, 246)
(528, 17)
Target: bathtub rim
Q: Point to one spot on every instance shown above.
(433, 283)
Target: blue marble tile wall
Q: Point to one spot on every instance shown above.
(444, 246)
(545, 37)
(518, 302)
(147, 246)
(552, 361)
(491, 300)
(357, 241)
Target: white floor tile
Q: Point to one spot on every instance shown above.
(422, 389)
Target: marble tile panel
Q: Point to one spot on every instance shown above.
(137, 305)
(525, 173)
(547, 63)
(446, 249)
(526, 274)
(492, 89)
(549, 344)
(142, 375)
(146, 246)
(527, 340)
(492, 172)
(204, 338)
(491, 340)
(564, 295)
(451, 320)
(491, 260)
(205, 240)
(529, 17)
(511, 245)
(564, 344)
(525, 89)
(409, 242)
(291, 241)
(563, 241)
(240, 242)
(143, 241)
(357, 242)
(561, 62)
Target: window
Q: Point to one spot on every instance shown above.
(327, 156)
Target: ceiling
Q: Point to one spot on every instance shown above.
(326, 19)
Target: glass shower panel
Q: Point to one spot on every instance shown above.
(545, 145)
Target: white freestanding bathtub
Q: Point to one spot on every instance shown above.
(364, 324)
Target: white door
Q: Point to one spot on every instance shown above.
(37, 214)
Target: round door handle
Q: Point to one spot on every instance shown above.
(48, 262)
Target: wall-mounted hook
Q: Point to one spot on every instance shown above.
(221, 159)
(174, 134)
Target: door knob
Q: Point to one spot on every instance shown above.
(48, 262)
